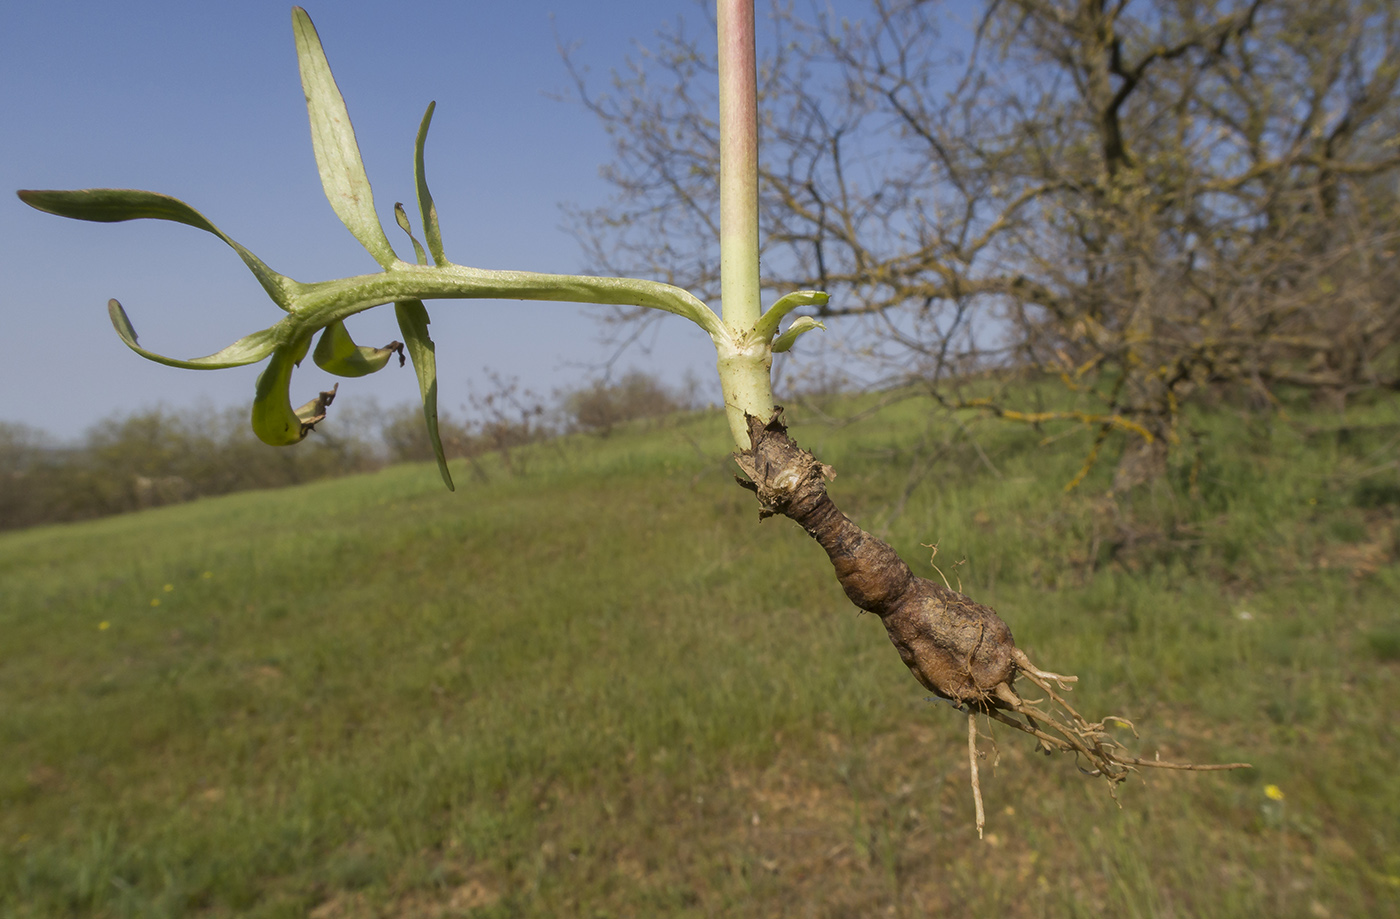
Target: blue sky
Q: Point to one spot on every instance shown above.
(202, 101)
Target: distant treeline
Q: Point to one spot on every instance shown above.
(162, 456)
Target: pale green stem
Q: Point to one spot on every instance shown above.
(745, 359)
(317, 304)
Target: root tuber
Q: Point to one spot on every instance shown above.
(959, 649)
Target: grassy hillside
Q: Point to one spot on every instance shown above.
(603, 688)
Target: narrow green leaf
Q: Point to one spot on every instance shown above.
(401, 218)
(801, 324)
(333, 140)
(113, 205)
(337, 353)
(247, 350)
(274, 420)
(413, 323)
(426, 209)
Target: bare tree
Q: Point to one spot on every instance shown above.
(1144, 200)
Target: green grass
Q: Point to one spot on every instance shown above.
(603, 688)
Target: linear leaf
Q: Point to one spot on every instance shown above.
(426, 209)
(401, 218)
(333, 140)
(247, 350)
(113, 205)
(413, 323)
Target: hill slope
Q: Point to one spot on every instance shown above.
(600, 687)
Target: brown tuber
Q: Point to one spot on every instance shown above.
(954, 646)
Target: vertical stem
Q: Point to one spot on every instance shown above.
(738, 164)
(744, 368)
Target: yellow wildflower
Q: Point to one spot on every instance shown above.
(1273, 792)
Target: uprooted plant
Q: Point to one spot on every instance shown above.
(955, 647)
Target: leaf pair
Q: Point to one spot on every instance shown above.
(766, 328)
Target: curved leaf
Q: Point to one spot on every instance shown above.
(337, 353)
(801, 324)
(274, 420)
(401, 218)
(413, 323)
(426, 209)
(333, 140)
(113, 205)
(247, 350)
